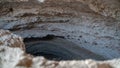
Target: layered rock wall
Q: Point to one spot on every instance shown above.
(91, 24)
(70, 19)
(17, 58)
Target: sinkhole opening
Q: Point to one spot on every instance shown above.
(58, 48)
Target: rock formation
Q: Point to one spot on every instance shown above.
(59, 49)
(83, 26)
(17, 58)
(12, 40)
(104, 7)
(93, 26)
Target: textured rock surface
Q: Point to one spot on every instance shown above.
(105, 7)
(91, 24)
(83, 26)
(59, 49)
(9, 39)
(16, 58)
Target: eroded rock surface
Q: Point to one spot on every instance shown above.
(70, 19)
(104, 7)
(16, 58)
(59, 49)
(90, 24)
(9, 39)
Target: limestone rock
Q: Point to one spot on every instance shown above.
(91, 24)
(16, 58)
(9, 39)
(105, 7)
(86, 28)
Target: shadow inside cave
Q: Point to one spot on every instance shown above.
(58, 48)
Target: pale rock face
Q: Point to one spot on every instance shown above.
(15, 58)
(9, 39)
(41, 0)
(10, 56)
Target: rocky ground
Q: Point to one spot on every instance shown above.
(91, 25)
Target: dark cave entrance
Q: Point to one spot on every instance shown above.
(58, 48)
